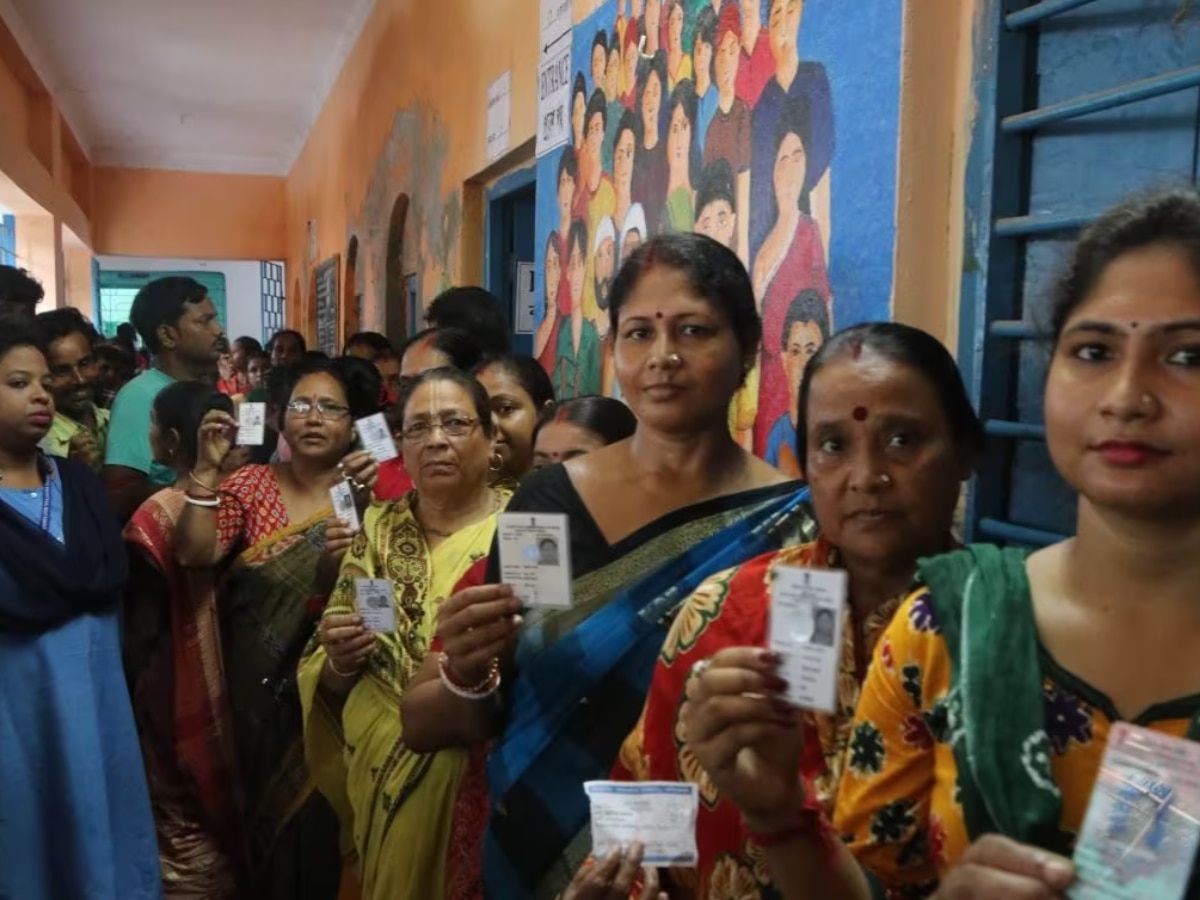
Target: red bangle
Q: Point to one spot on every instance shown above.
(809, 819)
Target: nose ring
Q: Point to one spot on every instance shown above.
(674, 359)
(885, 478)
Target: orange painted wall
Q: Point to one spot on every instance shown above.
(407, 114)
(152, 212)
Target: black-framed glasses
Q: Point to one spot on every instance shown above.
(324, 410)
(452, 427)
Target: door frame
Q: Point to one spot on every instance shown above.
(493, 228)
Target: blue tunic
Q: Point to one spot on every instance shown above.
(75, 819)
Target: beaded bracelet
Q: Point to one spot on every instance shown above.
(480, 691)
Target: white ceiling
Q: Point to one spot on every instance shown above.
(203, 85)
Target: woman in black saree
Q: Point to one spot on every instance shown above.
(650, 518)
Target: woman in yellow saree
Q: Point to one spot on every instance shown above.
(275, 524)
(415, 820)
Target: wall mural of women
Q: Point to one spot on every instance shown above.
(719, 116)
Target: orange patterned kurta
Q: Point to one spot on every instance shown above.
(731, 610)
(898, 805)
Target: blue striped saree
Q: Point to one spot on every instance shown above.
(582, 676)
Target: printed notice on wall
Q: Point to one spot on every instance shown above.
(499, 115)
(554, 77)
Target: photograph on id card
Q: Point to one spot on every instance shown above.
(535, 558)
(375, 601)
(1141, 830)
(807, 613)
(344, 507)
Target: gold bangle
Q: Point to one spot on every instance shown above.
(196, 481)
(338, 672)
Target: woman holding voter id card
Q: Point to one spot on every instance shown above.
(413, 822)
(887, 437)
(274, 526)
(994, 693)
(640, 523)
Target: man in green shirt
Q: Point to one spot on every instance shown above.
(80, 427)
(178, 324)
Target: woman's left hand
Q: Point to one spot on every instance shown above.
(361, 470)
(614, 878)
(338, 538)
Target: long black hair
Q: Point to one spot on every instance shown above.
(606, 417)
(180, 407)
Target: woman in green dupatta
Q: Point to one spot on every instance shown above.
(650, 517)
(416, 819)
(275, 523)
(980, 731)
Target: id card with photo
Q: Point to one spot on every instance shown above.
(343, 505)
(376, 604)
(807, 612)
(376, 437)
(252, 419)
(535, 558)
(659, 814)
(1141, 831)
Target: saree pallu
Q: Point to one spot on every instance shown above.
(413, 822)
(268, 615)
(582, 675)
(177, 680)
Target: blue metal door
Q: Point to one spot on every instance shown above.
(1080, 103)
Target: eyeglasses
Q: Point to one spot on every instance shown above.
(452, 427)
(324, 410)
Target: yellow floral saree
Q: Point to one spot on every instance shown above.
(413, 822)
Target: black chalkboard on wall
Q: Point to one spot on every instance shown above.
(326, 278)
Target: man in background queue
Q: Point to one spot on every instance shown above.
(80, 427)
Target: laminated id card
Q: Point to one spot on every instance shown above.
(535, 558)
(1139, 837)
(659, 814)
(807, 611)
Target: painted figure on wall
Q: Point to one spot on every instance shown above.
(706, 115)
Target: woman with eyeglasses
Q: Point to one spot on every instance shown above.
(416, 819)
(272, 526)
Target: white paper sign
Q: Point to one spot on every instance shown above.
(554, 100)
(376, 437)
(343, 505)
(499, 115)
(523, 299)
(252, 418)
(661, 815)
(376, 604)
(535, 558)
(807, 609)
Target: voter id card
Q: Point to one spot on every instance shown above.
(375, 600)
(1140, 834)
(344, 506)
(661, 815)
(252, 419)
(376, 437)
(535, 558)
(807, 613)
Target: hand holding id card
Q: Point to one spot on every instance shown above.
(807, 610)
(1140, 834)
(535, 558)
(661, 815)
(344, 506)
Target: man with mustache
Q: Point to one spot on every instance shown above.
(178, 324)
(80, 427)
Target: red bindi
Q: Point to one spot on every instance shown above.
(658, 315)
(856, 348)
(860, 414)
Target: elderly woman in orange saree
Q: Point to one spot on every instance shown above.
(273, 527)
(886, 432)
(177, 675)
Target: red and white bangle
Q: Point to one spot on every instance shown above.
(807, 820)
(480, 691)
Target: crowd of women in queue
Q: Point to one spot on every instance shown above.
(267, 712)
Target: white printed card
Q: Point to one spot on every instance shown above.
(807, 611)
(252, 419)
(661, 815)
(535, 558)
(376, 437)
(376, 604)
(344, 506)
